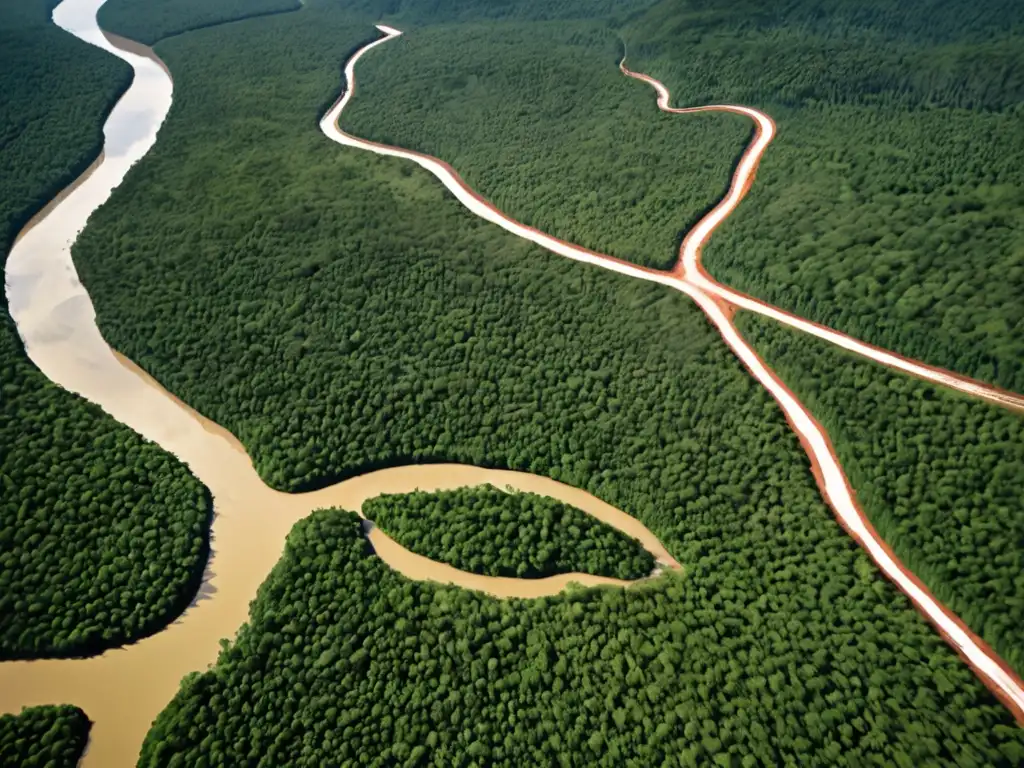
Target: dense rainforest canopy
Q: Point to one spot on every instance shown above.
(538, 119)
(43, 737)
(493, 113)
(939, 475)
(102, 534)
(493, 532)
(418, 13)
(148, 22)
(339, 311)
(344, 662)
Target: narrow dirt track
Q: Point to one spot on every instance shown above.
(714, 300)
(689, 266)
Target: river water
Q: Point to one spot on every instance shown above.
(124, 689)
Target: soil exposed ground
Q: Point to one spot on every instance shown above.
(688, 279)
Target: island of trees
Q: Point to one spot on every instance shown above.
(493, 532)
(344, 662)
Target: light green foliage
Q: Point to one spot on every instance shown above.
(940, 476)
(427, 12)
(102, 535)
(293, 274)
(497, 533)
(43, 737)
(537, 118)
(147, 22)
(338, 312)
(344, 662)
(890, 205)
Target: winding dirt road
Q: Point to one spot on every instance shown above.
(717, 303)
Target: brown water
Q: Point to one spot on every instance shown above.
(124, 689)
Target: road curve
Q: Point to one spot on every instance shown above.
(690, 268)
(836, 489)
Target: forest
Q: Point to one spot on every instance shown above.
(344, 662)
(55, 93)
(419, 13)
(43, 737)
(339, 311)
(494, 532)
(890, 205)
(147, 22)
(938, 474)
(102, 534)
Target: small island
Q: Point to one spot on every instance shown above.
(492, 532)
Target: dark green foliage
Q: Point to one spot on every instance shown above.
(102, 535)
(538, 119)
(425, 12)
(149, 21)
(940, 476)
(346, 663)
(933, 21)
(492, 532)
(43, 737)
(890, 205)
(339, 311)
(934, 51)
